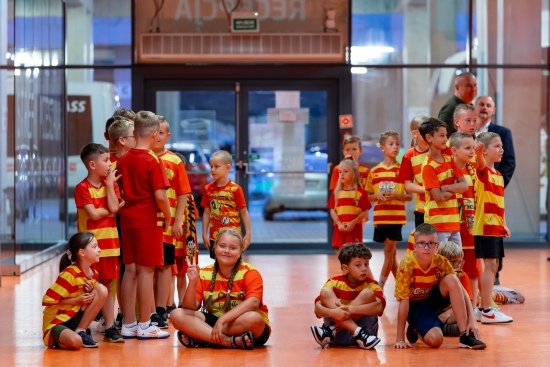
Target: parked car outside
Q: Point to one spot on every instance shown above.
(198, 168)
(316, 178)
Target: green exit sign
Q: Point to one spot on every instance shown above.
(245, 21)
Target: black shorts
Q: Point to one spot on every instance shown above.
(489, 247)
(169, 254)
(258, 342)
(71, 324)
(391, 232)
(418, 218)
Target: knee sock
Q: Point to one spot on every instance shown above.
(450, 330)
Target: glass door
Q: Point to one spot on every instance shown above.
(277, 134)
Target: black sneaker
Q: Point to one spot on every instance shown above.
(323, 335)
(159, 321)
(470, 341)
(112, 335)
(118, 321)
(87, 340)
(169, 309)
(161, 311)
(412, 335)
(366, 340)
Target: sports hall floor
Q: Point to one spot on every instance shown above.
(291, 282)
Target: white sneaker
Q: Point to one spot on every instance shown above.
(477, 314)
(101, 325)
(512, 295)
(495, 316)
(152, 332)
(129, 332)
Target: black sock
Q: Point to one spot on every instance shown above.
(161, 310)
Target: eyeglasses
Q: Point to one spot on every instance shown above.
(430, 244)
(457, 263)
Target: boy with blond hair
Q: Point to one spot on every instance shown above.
(97, 200)
(177, 197)
(386, 190)
(489, 222)
(351, 147)
(223, 202)
(442, 181)
(462, 146)
(144, 185)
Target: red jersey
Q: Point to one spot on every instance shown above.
(392, 211)
(363, 175)
(489, 216)
(142, 175)
(411, 170)
(104, 229)
(224, 203)
(442, 215)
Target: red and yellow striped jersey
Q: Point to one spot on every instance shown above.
(104, 229)
(410, 242)
(224, 203)
(69, 284)
(414, 283)
(363, 174)
(179, 185)
(247, 283)
(442, 215)
(411, 169)
(489, 195)
(387, 212)
(188, 245)
(466, 200)
(346, 293)
(350, 204)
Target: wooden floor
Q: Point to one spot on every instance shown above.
(291, 284)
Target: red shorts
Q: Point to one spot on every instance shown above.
(142, 246)
(108, 268)
(341, 238)
(472, 266)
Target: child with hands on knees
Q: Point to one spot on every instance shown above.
(349, 205)
(75, 298)
(230, 292)
(350, 303)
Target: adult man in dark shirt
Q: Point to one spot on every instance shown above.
(485, 110)
(465, 92)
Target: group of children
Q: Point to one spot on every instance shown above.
(459, 212)
(137, 237)
(135, 205)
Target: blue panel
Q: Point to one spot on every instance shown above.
(36, 32)
(112, 31)
(377, 30)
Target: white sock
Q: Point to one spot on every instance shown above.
(357, 331)
(144, 325)
(129, 326)
(77, 330)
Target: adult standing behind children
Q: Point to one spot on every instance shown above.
(386, 190)
(177, 197)
(223, 202)
(442, 181)
(144, 183)
(465, 92)
(230, 292)
(97, 200)
(350, 303)
(485, 110)
(489, 222)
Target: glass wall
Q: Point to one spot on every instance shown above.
(41, 101)
(422, 45)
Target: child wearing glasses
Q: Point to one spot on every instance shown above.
(425, 284)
